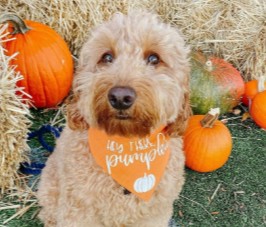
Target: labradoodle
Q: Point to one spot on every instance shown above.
(131, 81)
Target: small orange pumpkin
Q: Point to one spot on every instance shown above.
(207, 142)
(251, 89)
(44, 60)
(258, 105)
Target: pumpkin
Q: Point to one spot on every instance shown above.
(214, 82)
(144, 184)
(207, 142)
(258, 105)
(251, 89)
(44, 60)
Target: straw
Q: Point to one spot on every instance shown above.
(14, 122)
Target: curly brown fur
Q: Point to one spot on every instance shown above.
(74, 190)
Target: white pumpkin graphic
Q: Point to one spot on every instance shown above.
(144, 184)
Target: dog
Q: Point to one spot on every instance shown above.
(131, 82)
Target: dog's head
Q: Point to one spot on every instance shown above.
(132, 77)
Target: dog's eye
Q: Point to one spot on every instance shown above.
(107, 58)
(153, 59)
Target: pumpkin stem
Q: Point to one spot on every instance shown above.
(17, 22)
(209, 66)
(210, 118)
(261, 86)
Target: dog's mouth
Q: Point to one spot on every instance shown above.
(122, 116)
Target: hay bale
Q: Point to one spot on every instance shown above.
(234, 30)
(14, 123)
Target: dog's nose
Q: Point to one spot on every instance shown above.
(121, 98)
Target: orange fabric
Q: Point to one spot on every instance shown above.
(135, 163)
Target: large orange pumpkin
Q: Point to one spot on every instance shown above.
(44, 60)
(207, 142)
(214, 83)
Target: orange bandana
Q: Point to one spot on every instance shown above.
(135, 163)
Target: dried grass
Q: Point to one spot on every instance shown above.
(14, 122)
(20, 199)
(234, 30)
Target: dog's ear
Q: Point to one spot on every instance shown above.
(178, 127)
(74, 119)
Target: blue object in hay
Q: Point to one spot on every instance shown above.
(36, 168)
